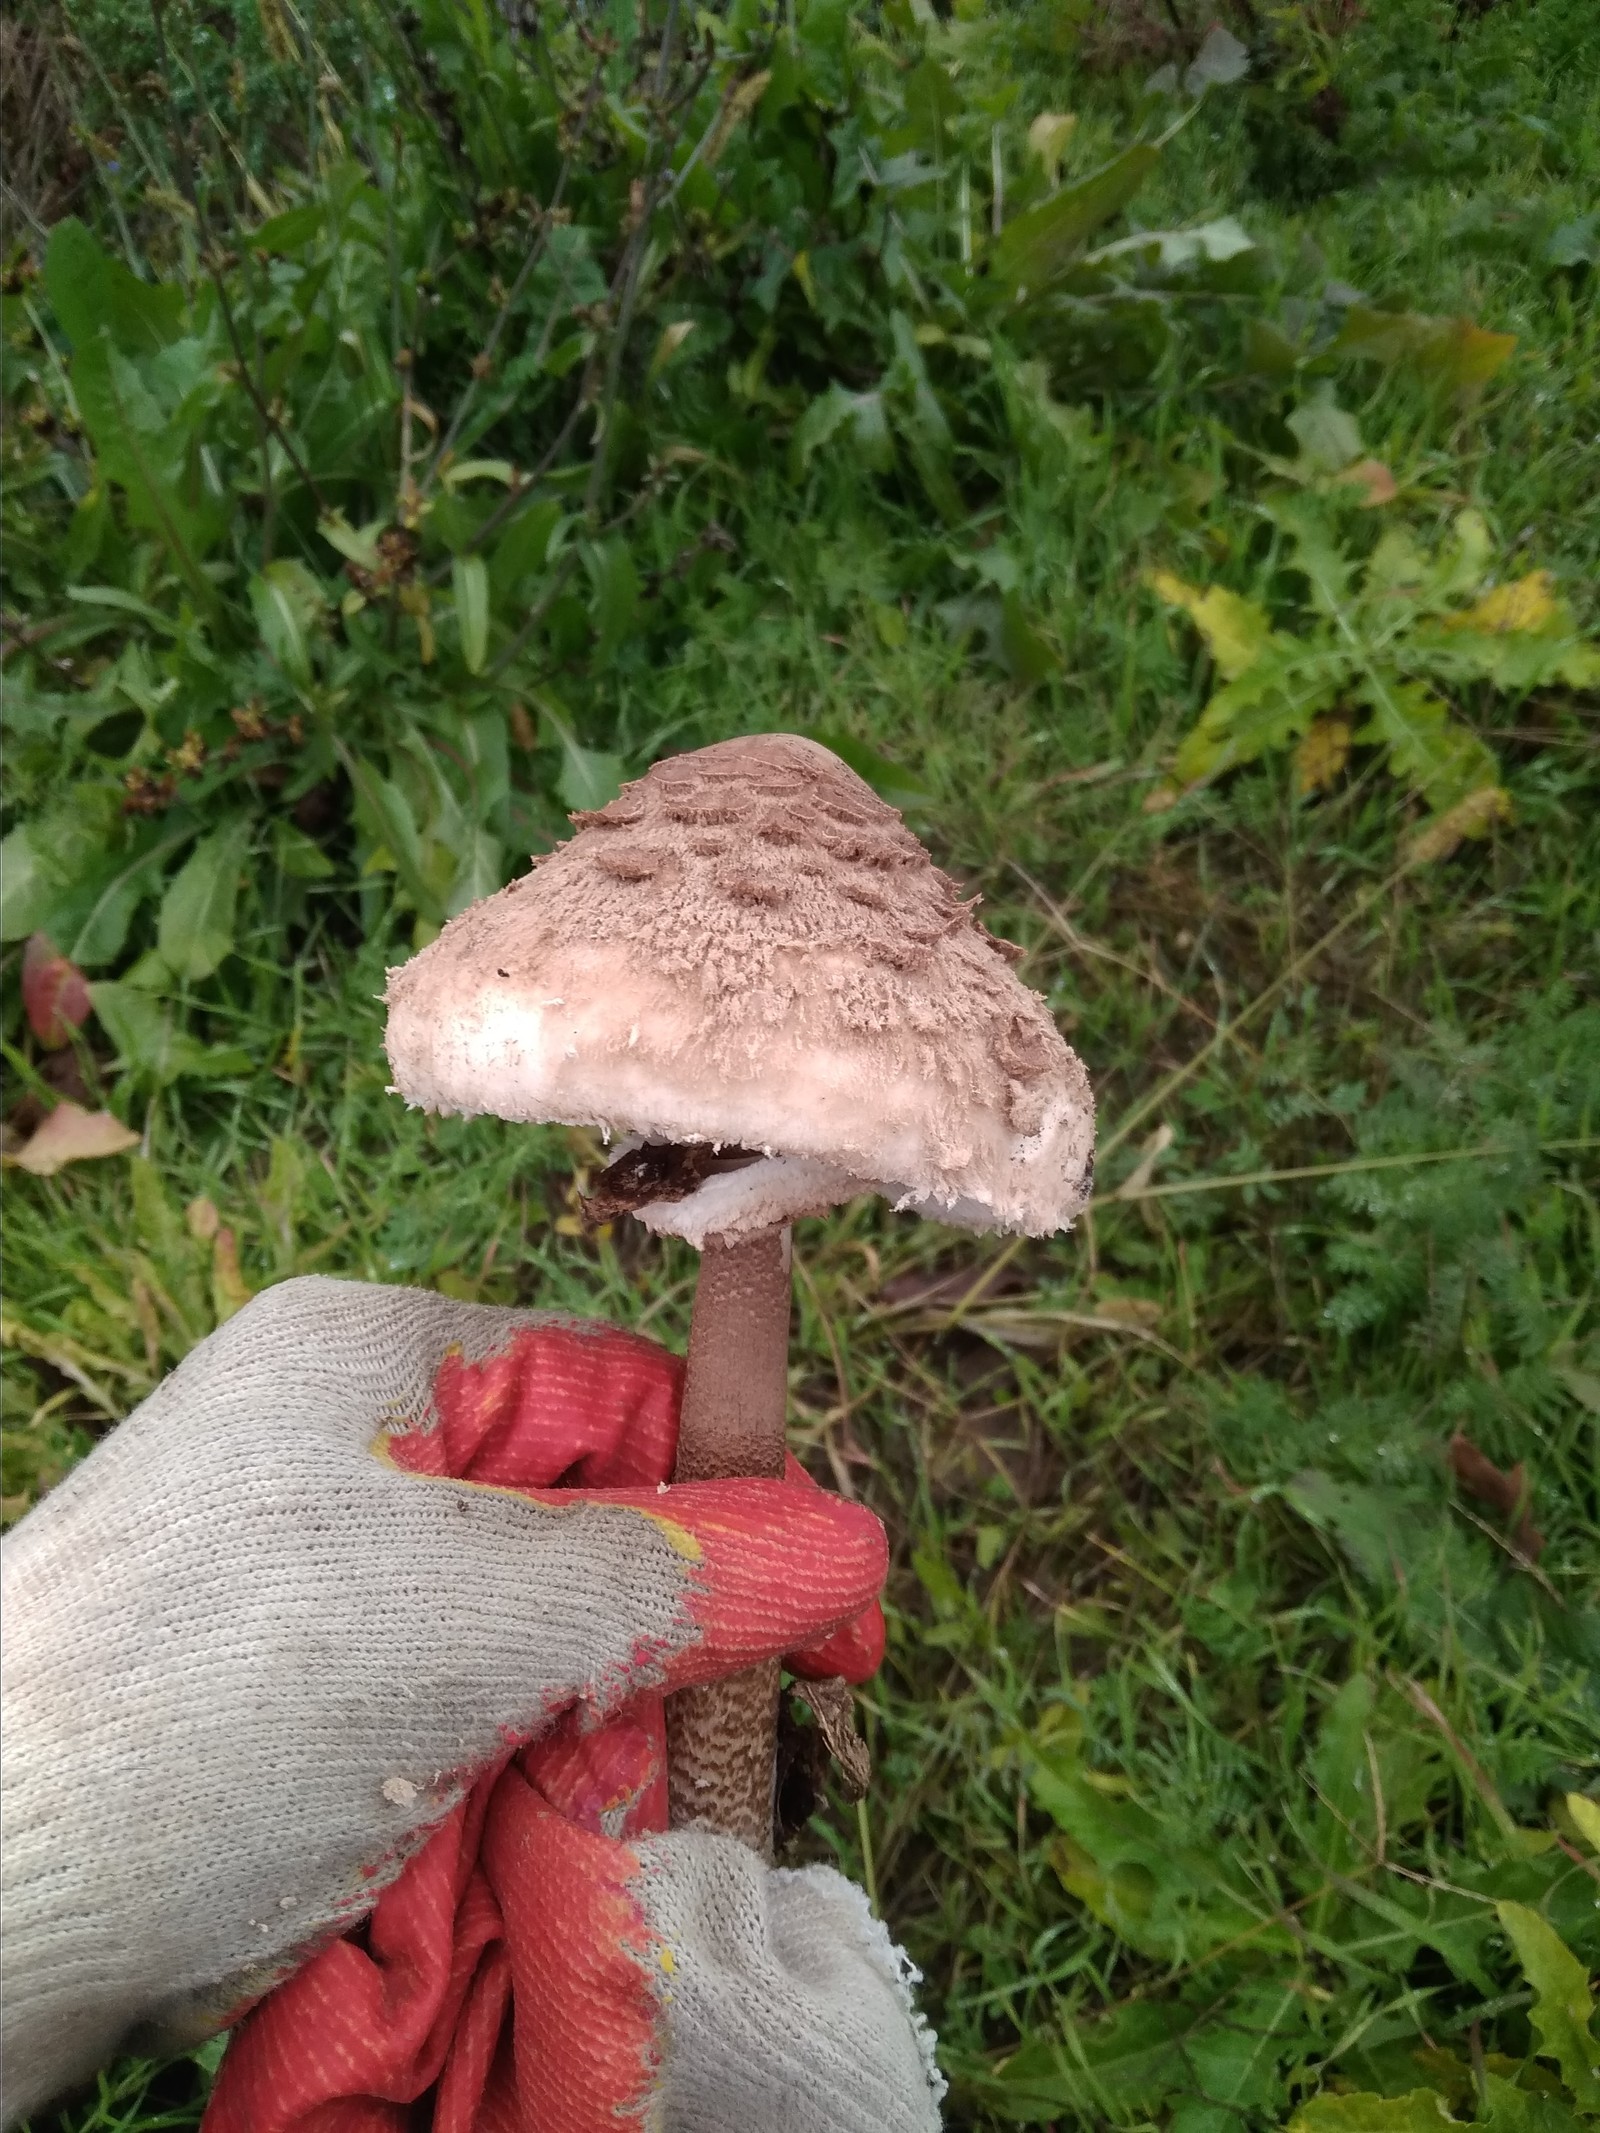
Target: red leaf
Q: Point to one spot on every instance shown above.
(54, 992)
(1508, 1493)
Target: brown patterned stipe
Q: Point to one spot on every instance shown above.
(722, 1756)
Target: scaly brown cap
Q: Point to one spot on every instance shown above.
(748, 948)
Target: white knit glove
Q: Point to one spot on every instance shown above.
(249, 1662)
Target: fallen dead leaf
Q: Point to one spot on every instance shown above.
(1136, 1183)
(72, 1135)
(1375, 481)
(1474, 816)
(55, 993)
(1507, 1492)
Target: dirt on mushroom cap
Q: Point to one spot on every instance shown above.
(749, 945)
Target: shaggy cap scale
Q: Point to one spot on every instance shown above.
(748, 948)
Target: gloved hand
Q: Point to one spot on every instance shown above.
(251, 1663)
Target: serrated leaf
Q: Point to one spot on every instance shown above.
(1563, 2006)
(195, 929)
(1419, 2111)
(469, 576)
(1264, 709)
(1428, 747)
(1510, 2109)
(1237, 631)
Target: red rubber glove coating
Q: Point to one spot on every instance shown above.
(508, 1968)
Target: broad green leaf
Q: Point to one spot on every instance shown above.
(195, 930)
(1328, 436)
(1420, 2111)
(470, 578)
(1043, 241)
(27, 890)
(615, 584)
(479, 873)
(525, 545)
(588, 778)
(1166, 1899)
(151, 1047)
(1563, 2006)
(298, 855)
(124, 603)
(1237, 631)
(391, 817)
(148, 451)
(92, 292)
(1586, 1814)
(290, 231)
(288, 601)
(103, 921)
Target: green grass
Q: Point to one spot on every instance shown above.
(1219, 1714)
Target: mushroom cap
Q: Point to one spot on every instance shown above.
(748, 948)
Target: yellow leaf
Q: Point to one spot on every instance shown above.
(1526, 604)
(72, 1135)
(1586, 1813)
(1322, 753)
(1235, 630)
(737, 105)
(1474, 816)
(229, 1289)
(1048, 137)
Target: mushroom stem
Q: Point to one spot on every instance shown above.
(722, 1737)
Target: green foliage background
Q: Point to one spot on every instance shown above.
(417, 423)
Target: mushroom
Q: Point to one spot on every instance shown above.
(748, 970)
